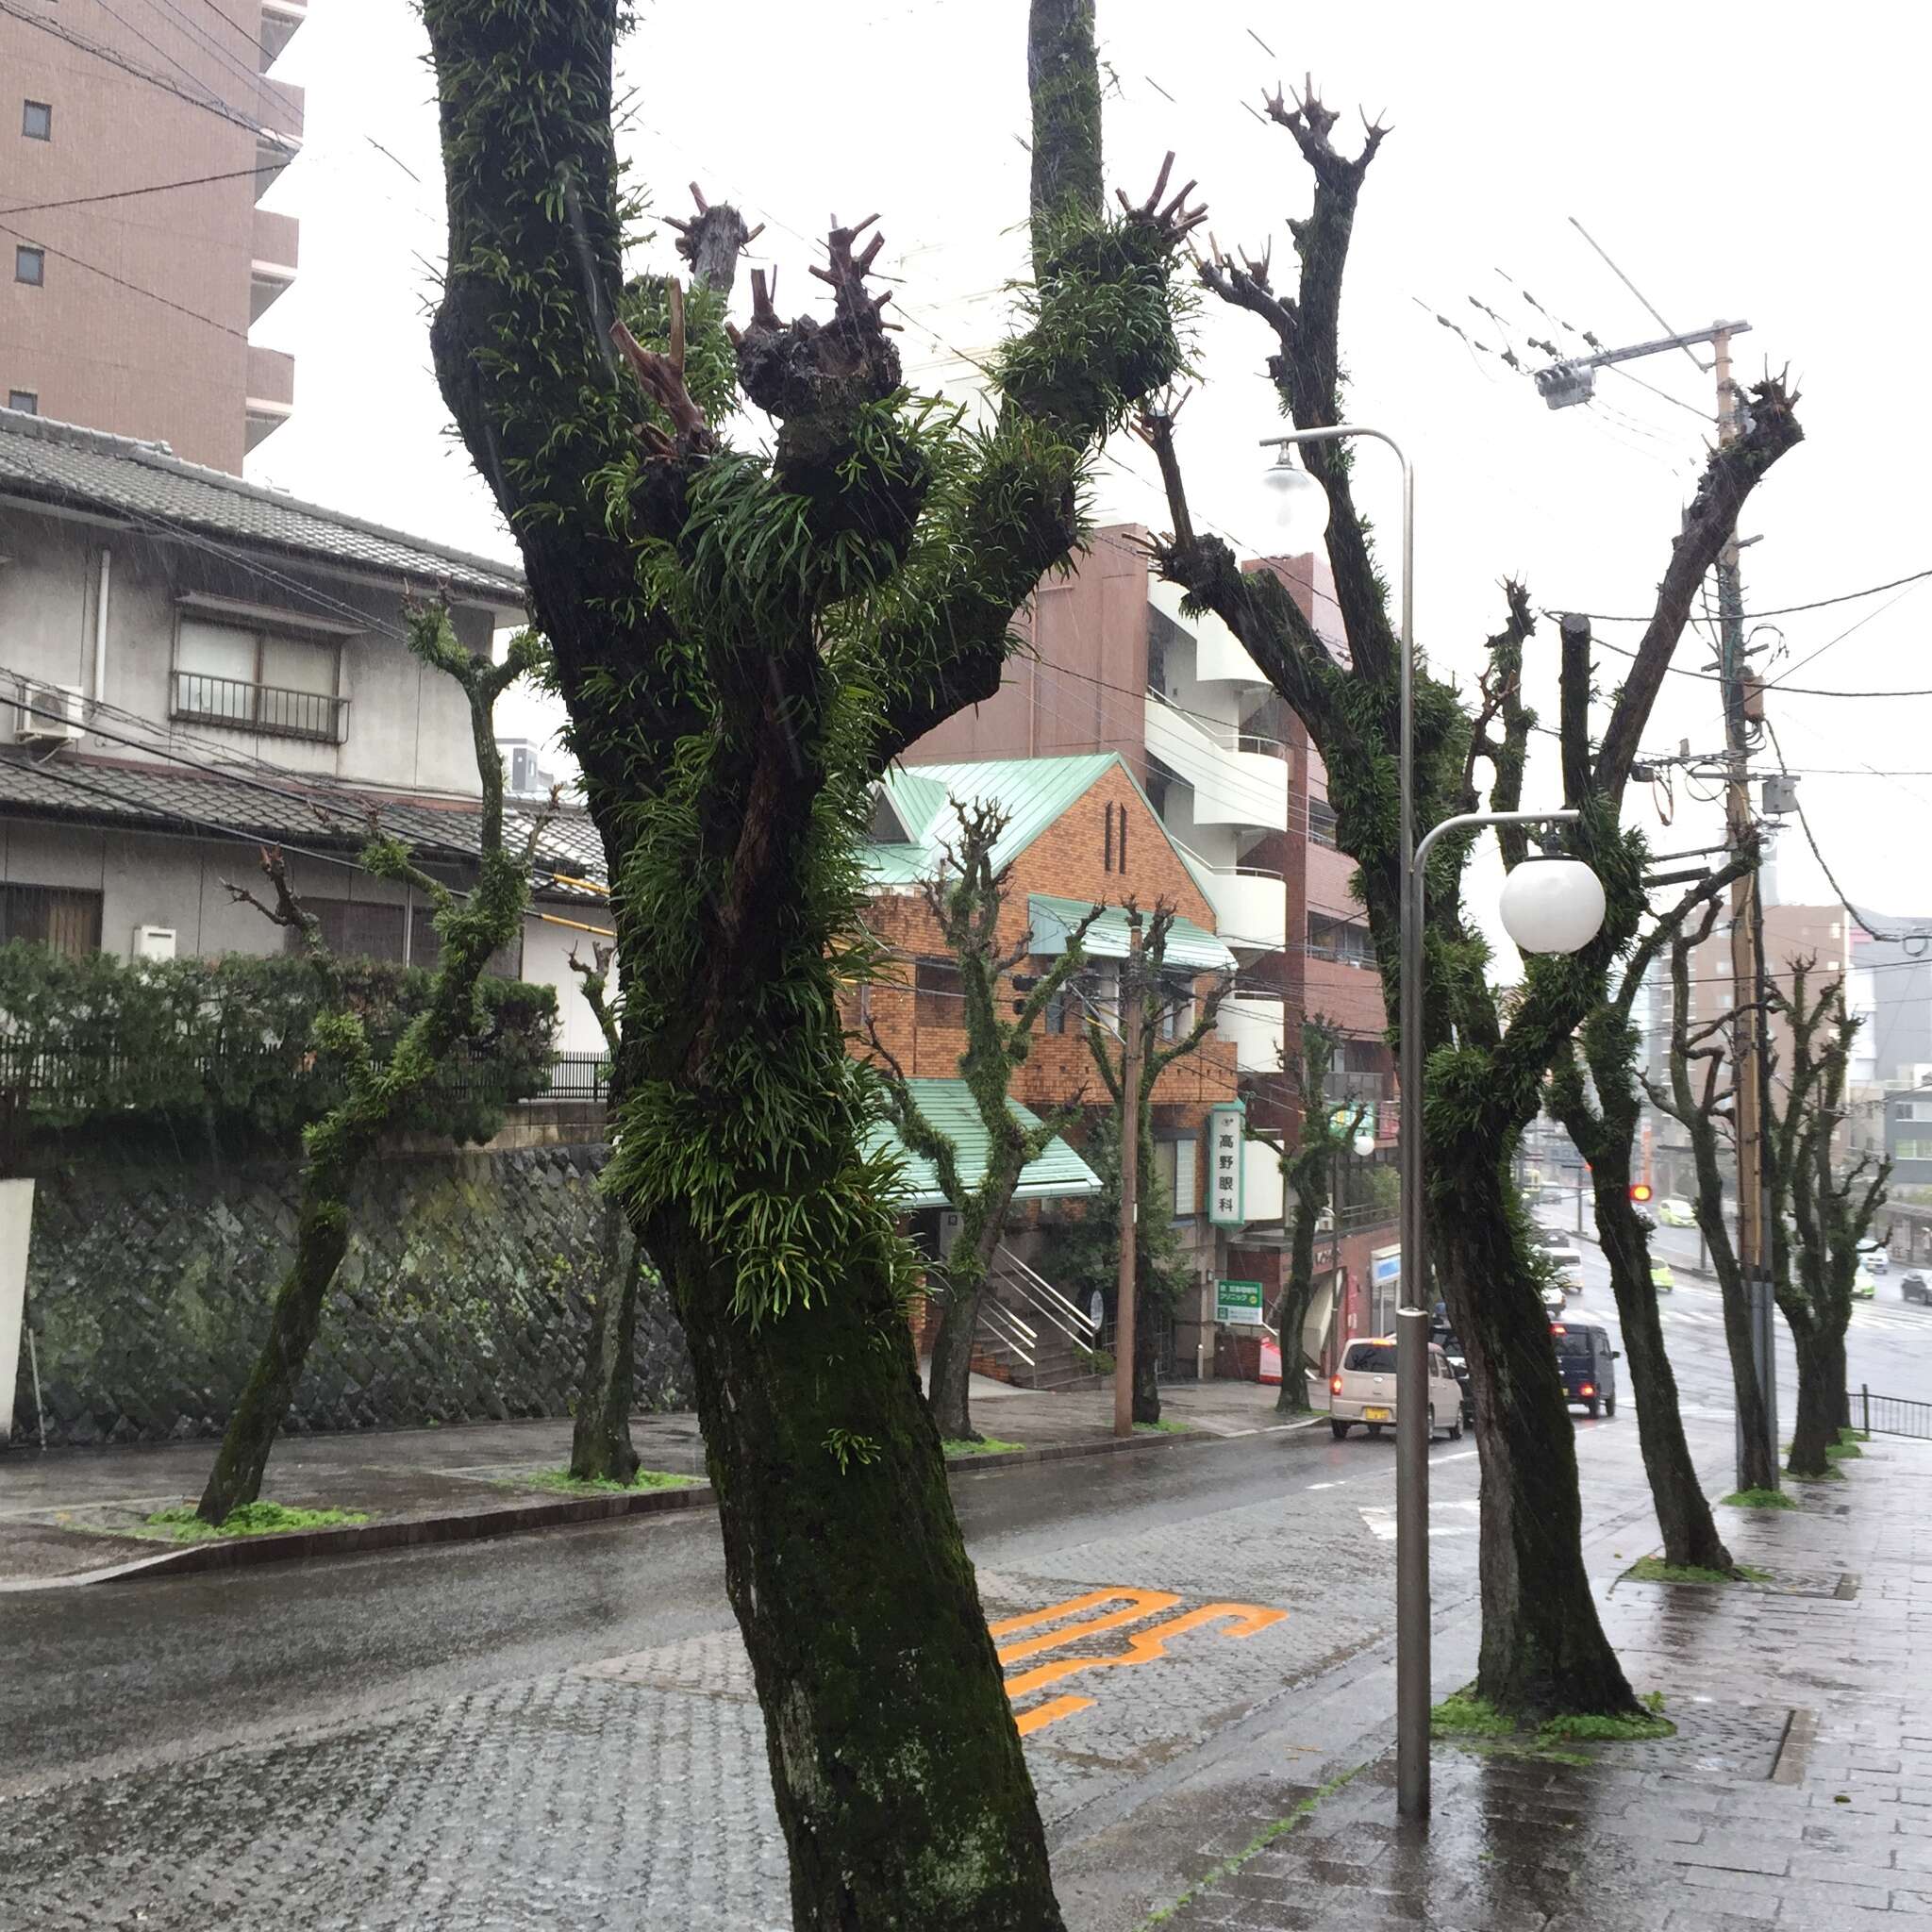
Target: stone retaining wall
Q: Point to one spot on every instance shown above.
(462, 1297)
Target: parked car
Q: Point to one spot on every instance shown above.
(1363, 1391)
(1863, 1288)
(1585, 1360)
(1675, 1212)
(1444, 1339)
(1661, 1278)
(1913, 1287)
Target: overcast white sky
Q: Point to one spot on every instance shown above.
(1765, 163)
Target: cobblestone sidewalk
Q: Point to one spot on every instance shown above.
(1797, 1793)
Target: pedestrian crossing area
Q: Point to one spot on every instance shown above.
(1865, 1319)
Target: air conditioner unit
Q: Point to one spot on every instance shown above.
(153, 942)
(50, 713)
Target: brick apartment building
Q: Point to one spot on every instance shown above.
(1080, 833)
(1116, 666)
(129, 311)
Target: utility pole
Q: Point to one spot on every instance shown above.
(1743, 701)
(1131, 1017)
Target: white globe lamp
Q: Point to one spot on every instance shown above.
(1300, 504)
(1364, 1143)
(1552, 904)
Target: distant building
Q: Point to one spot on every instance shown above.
(130, 311)
(527, 768)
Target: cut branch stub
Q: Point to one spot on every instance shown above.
(1312, 124)
(1171, 221)
(660, 376)
(848, 271)
(712, 239)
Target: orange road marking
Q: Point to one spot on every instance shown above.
(1145, 1646)
(1140, 1603)
(1050, 1713)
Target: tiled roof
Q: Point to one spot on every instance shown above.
(275, 809)
(948, 1105)
(1108, 937)
(59, 462)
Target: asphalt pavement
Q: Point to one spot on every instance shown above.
(558, 1729)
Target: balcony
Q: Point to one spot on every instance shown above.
(269, 709)
(271, 399)
(1255, 1022)
(1219, 656)
(272, 264)
(1238, 779)
(1250, 902)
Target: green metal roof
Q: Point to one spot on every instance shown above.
(949, 1107)
(1033, 792)
(1188, 945)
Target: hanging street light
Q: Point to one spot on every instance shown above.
(1552, 904)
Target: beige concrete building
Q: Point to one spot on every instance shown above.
(134, 257)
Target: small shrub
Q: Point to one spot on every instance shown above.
(1654, 1570)
(987, 1445)
(181, 1524)
(1758, 1499)
(1464, 1715)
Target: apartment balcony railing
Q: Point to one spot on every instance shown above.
(1228, 737)
(271, 709)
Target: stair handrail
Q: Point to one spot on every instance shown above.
(1057, 1308)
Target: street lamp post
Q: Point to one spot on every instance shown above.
(1543, 919)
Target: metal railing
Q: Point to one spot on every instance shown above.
(271, 709)
(1000, 1325)
(578, 1076)
(1228, 737)
(1893, 1415)
(1045, 1300)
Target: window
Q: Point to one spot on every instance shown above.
(30, 266)
(1914, 1110)
(354, 928)
(1113, 844)
(67, 920)
(37, 121)
(1321, 823)
(1369, 1358)
(939, 999)
(1093, 990)
(279, 684)
(1912, 1150)
(25, 400)
(1339, 939)
(1177, 1003)
(1187, 1175)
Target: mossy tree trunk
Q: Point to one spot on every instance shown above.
(1309, 1172)
(1815, 1263)
(1543, 1648)
(745, 641)
(1693, 1097)
(1605, 1133)
(380, 1092)
(601, 1449)
(965, 900)
(1158, 1273)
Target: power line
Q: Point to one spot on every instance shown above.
(1779, 683)
(120, 282)
(1783, 610)
(1799, 690)
(32, 207)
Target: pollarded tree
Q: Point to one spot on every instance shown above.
(380, 1092)
(1308, 1170)
(1601, 1116)
(966, 898)
(743, 641)
(1696, 1098)
(1543, 1650)
(1172, 1026)
(1831, 1211)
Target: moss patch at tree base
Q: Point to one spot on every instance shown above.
(1842, 1451)
(1758, 1499)
(180, 1525)
(1475, 1723)
(987, 1445)
(569, 1485)
(1654, 1570)
(1166, 1428)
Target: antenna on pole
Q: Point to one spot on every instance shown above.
(1655, 315)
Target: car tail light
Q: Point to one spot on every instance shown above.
(1588, 1390)
(1557, 1328)
(1335, 1385)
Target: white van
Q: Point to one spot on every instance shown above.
(1363, 1391)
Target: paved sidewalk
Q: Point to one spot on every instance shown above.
(59, 1510)
(1798, 1790)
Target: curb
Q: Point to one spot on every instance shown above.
(477, 1525)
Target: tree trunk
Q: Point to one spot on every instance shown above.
(1683, 1513)
(1840, 1381)
(1291, 1313)
(1543, 1649)
(322, 1238)
(1816, 1427)
(1756, 1469)
(949, 1392)
(600, 1445)
(1147, 1352)
(896, 1769)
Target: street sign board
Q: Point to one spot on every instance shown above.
(1226, 1206)
(1239, 1302)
